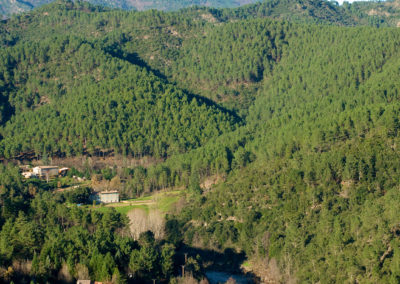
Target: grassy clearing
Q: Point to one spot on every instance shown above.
(145, 198)
(166, 203)
(162, 201)
(122, 209)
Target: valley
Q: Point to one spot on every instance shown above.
(258, 142)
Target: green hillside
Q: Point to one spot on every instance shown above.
(324, 133)
(168, 42)
(278, 122)
(179, 4)
(9, 7)
(362, 12)
(69, 97)
(380, 12)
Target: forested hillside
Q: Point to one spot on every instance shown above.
(280, 124)
(360, 12)
(167, 43)
(9, 7)
(69, 97)
(50, 241)
(324, 131)
(386, 12)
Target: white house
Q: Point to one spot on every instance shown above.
(45, 171)
(109, 196)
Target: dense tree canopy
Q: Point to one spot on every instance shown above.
(61, 242)
(283, 133)
(69, 97)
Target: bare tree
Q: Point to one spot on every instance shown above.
(63, 274)
(115, 183)
(82, 272)
(141, 222)
(138, 222)
(156, 223)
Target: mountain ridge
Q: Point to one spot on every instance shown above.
(8, 7)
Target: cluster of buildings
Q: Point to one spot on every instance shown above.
(45, 172)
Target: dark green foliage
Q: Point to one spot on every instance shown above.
(152, 260)
(324, 130)
(8, 7)
(173, 232)
(126, 109)
(304, 11)
(70, 238)
(81, 195)
(230, 59)
(308, 178)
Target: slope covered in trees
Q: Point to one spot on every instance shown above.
(382, 12)
(69, 97)
(319, 197)
(9, 7)
(305, 183)
(179, 4)
(170, 43)
(58, 243)
(167, 43)
(319, 11)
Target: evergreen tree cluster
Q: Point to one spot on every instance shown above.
(44, 239)
(69, 98)
(306, 178)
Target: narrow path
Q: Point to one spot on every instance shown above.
(130, 203)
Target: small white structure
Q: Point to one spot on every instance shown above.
(28, 175)
(109, 196)
(45, 171)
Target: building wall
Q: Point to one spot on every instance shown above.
(43, 171)
(36, 171)
(51, 172)
(109, 197)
